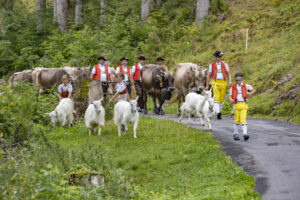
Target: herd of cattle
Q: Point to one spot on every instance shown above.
(187, 78)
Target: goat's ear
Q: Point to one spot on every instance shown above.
(101, 99)
(137, 98)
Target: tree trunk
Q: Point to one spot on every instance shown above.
(158, 2)
(102, 11)
(62, 15)
(40, 14)
(202, 11)
(145, 10)
(54, 11)
(78, 13)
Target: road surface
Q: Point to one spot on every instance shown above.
(271, 155)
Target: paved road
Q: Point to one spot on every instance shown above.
(271, 155)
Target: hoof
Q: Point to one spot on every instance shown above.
(178, 114)
(202, 124)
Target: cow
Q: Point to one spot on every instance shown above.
(158, 84)
(189, 77)
(48, 77)
(20, 76)
(76, 73)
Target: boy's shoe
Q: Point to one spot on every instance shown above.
(246, 137)
(236, 137)
(219, 116)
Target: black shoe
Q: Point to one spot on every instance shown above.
(219, 116)
(246, 137)
(236, 137)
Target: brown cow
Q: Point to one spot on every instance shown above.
(152, 76)
(48, 77)
(20, 76)
(189, 77)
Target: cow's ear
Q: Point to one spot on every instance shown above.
(137, 98)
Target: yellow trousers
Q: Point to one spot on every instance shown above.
(219, 89)
(240, 113)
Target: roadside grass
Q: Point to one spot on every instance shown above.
(166, 161)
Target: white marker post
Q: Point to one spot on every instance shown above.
(247, 38)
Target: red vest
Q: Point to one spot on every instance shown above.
(97, 76)
(64, 94)
(235, 91)
(137, 73)
(164, 67)
(122, 71)
(214, 70)
(124, 92)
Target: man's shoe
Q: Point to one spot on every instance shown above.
(236, 137)
(246, 137)
(219, 116)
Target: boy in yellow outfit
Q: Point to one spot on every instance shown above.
(218, 72)
(238, 95)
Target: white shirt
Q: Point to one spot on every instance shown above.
(125, 70)
(103, 73)
(133, 69)
(62, 87)
(239, 88)
(121, 86)
(219, 70)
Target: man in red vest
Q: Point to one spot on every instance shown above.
(160, 63)
(238, 96)
(136, 77)
(124, 69)
(163, 69)
(102, 73)
(218, 72)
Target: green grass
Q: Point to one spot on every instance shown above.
(166, 161)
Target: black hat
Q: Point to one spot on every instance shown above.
(142, 58)
(238, 75)
(124, 58)
(101, 58)
(218, 54)
(160, 58)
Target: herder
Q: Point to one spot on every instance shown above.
(238, 96)
(124, 69)
(218, 72)
(101, 72)
(137, 78)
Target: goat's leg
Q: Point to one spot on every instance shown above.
(189, 118)
(201, 118)
(208, 120)
(119, 129)
(134, 128)
(99, 131)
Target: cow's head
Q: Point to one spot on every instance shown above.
(200, 79)
(170, 80)
(53, 117)
(133, 105)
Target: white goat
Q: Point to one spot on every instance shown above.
(63, 113)
(207, 112)
(126, 112)
(95, 116)
(195, 103)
